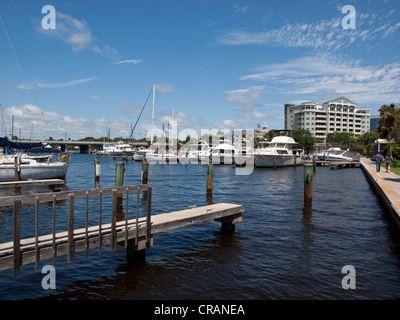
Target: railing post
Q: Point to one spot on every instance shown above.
(113, 220)
(71, 246)
(16, 238)
(148, 216)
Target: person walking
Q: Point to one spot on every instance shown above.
(378, 160)
(388, 161)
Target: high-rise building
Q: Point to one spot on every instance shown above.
(321, 118)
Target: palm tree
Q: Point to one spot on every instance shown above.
(389, 115)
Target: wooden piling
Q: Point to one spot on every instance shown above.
(119, 181)
(295, 161)
(17, 168)
(315, 163)
(308, 184)
(97, 169)
(274, 162)
(210, 173)
(145, 170)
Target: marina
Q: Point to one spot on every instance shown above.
(203, 151)
(298, 251)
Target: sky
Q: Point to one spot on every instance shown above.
(216, 64)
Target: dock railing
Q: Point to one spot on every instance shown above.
(122, 230)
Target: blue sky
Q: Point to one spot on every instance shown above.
(216, 64)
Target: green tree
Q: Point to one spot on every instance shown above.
(389, 116)
(367, 140)
(304, 139)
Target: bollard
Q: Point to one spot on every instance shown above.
(308, 184)
(96, 169)
(145, 170)
(119, 181)
(210, 176)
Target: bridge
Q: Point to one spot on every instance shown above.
(84, 146)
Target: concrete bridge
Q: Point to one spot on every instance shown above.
(84, 146)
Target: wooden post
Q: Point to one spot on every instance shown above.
(70, 256)
(295, 161)
(114, 205)
(315, 162)
(16, 238)
(308, 184)
(119, 181)
(145, 170)
(96, 169)
(210, 173)
(274, 162)
(17, 168)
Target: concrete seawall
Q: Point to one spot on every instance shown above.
(386, 184)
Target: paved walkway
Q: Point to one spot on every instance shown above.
(390, 178)
(387, 184)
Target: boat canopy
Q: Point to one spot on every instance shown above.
(19, 145)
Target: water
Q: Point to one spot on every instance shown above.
(279, 251)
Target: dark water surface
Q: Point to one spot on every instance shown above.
(279, 251)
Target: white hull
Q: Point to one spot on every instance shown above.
(334, 158)
(267, 161)
(38, 171)
(138, 157)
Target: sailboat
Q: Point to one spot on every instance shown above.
(157, 151)
(30, 167)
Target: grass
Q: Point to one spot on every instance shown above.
(395, 170)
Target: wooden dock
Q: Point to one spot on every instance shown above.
(133, 232)
(334, 164)
(52, 183)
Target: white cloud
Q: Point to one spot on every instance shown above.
(44, 85)
(131, 61)
(77, 34)
(94, 97)
(50, 123)
(165, 87)
(320, 35)
(323, 75)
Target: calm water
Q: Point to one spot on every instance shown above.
(279, 251)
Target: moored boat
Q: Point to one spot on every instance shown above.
(277, 153)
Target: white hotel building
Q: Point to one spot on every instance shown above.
(321, 118)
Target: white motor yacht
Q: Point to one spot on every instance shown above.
(278, 152)
(334, 154)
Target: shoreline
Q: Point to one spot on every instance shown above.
(387, 186)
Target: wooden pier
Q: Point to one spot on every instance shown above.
(133, 232)
(334, 164)
(55, 184)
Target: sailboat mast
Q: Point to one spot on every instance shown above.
(152, 114)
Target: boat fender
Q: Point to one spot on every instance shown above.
(64, 158)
